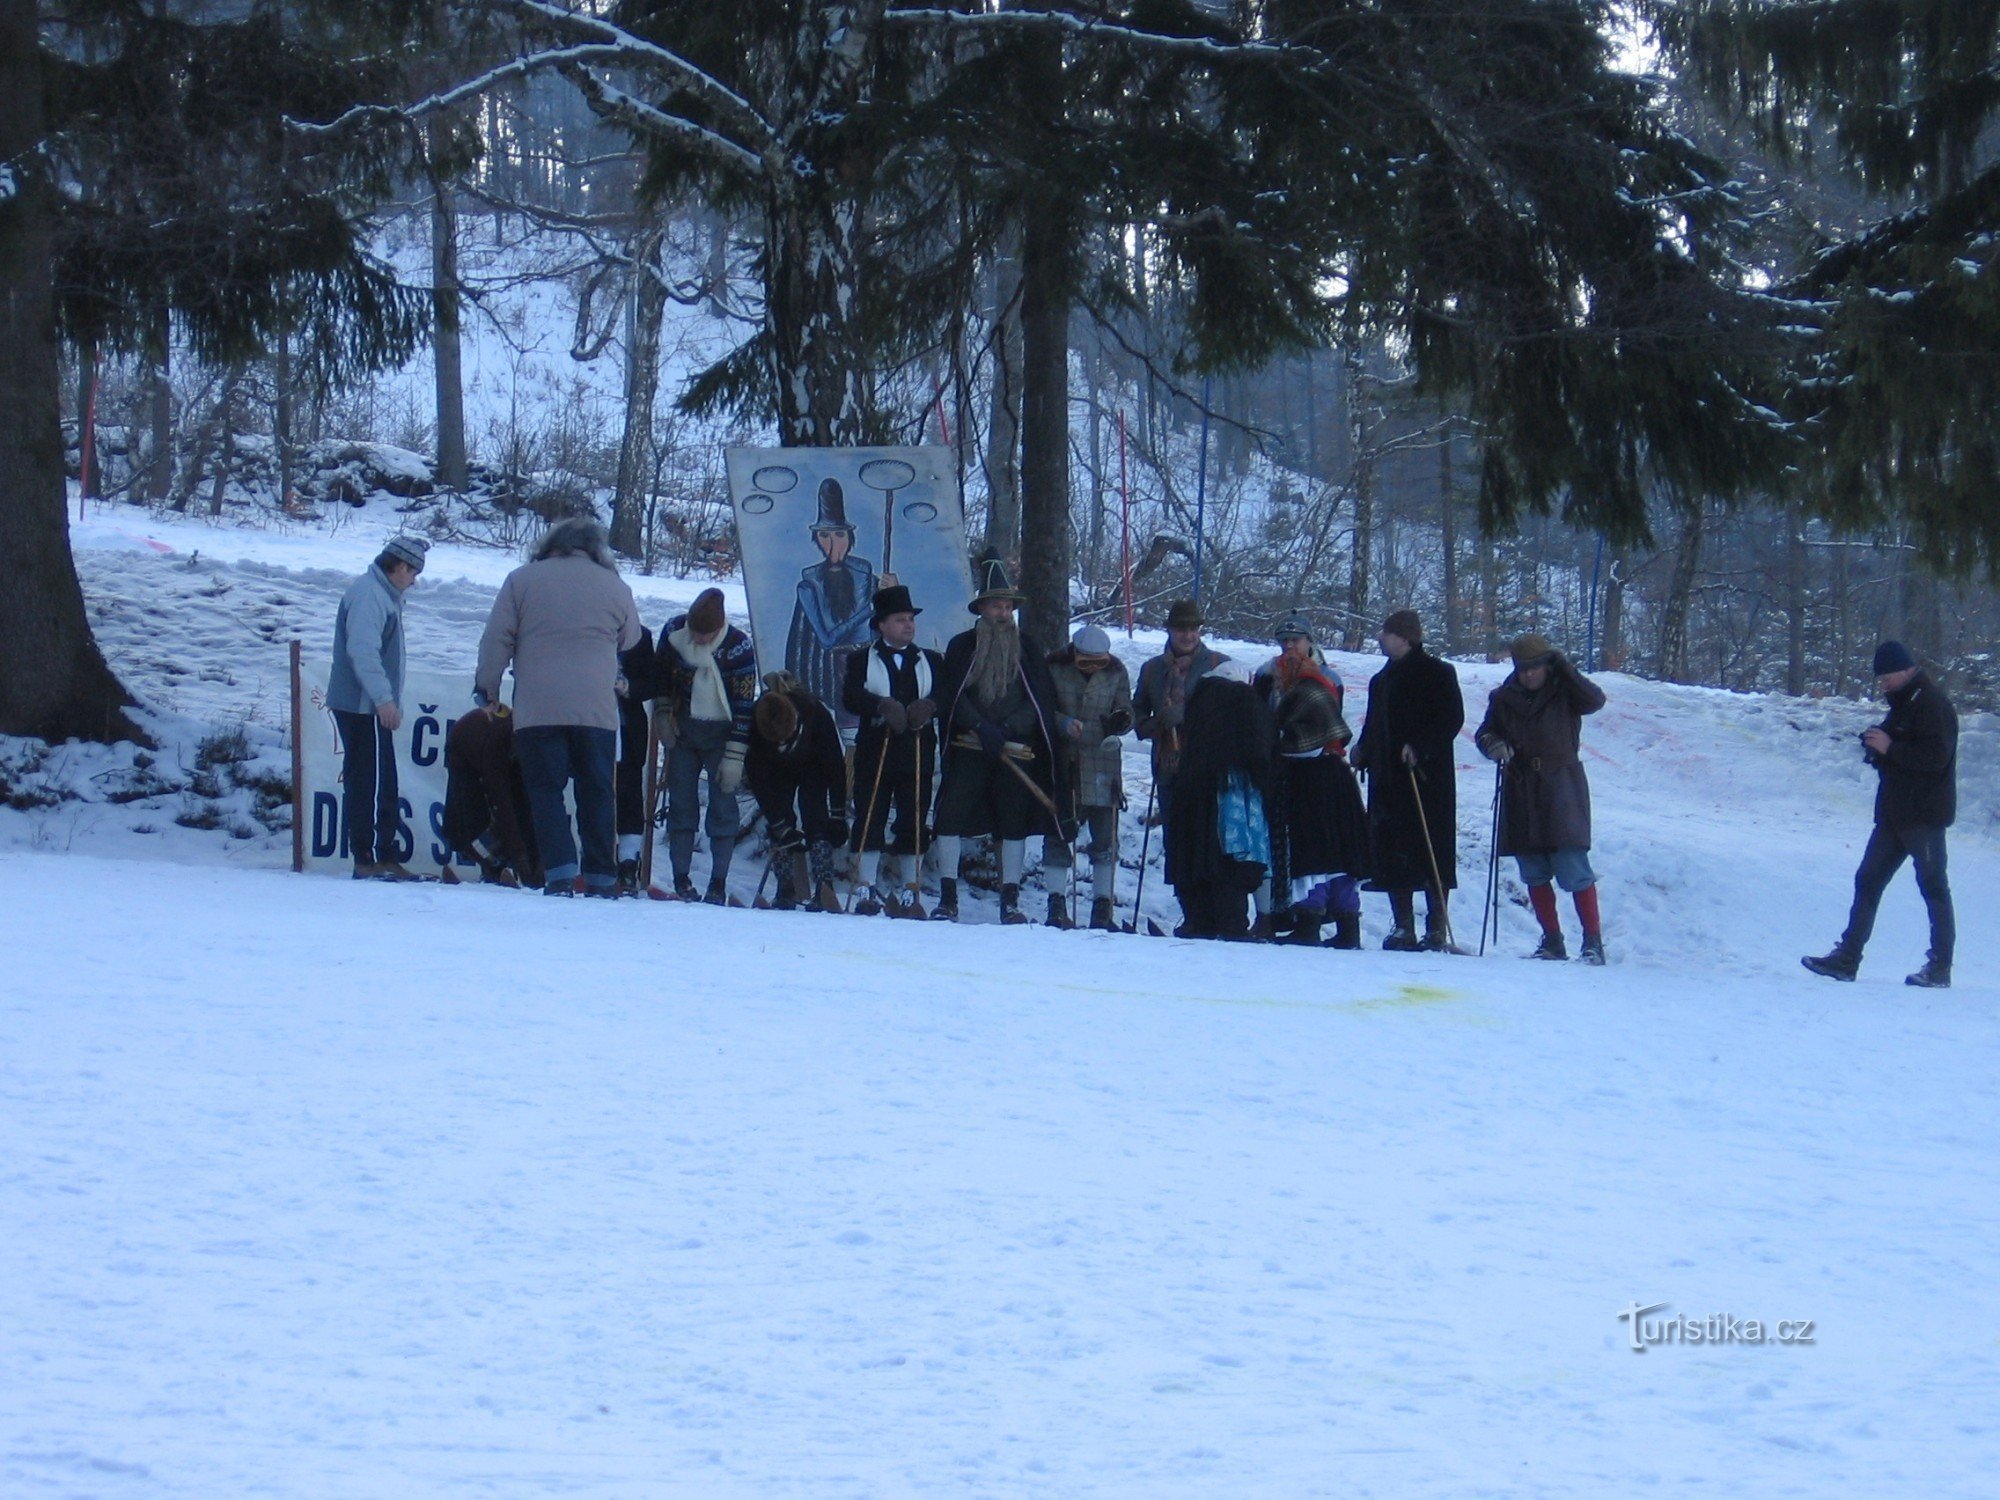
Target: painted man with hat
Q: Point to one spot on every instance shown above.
(1914, 751)
(1094, 701)
(1534, 728)
(1407, 752)
(831, 620)
(891, 692)
(999, 771)
(365, 693)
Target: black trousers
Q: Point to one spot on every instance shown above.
(904, 789)
(1887, 849)
(633, 738)
(368, 788)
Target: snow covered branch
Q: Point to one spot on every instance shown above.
(1090, 29)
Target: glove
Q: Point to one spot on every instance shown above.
(665, 726)
(893, 714)
(729, 776)
(992, 738)
(1497, 749)
(1117, 722)
(920, 713)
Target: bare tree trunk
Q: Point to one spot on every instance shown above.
(718, 263)
(447, 300)
(1448, 540)
(1680, 593)
(160, 393)
(1612, 657)
(283, 409)
(225, 416)
(1795, 599)
(1362, 456)
(1003, 432)
(54, 684)
(1046, 546)
(91, 467)
(648, 304)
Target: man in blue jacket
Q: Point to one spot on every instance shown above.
(365, 692)
(1915, 753)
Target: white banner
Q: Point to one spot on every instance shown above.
(432, 702)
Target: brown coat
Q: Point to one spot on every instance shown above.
(1545, 795)
(561, 622)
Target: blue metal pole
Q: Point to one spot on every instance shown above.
(1201, 490)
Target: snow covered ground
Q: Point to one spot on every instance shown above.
(320, 1189)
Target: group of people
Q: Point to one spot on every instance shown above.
(1256, 781)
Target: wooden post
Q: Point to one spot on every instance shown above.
(298, 769)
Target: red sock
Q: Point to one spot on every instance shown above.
(1543, 899)
(1586, 908)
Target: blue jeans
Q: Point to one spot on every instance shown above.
(375, 833)
(552, 757)
(697, 753)
(1887, 849)
(1569, 867)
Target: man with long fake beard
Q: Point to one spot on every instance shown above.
(999, 766)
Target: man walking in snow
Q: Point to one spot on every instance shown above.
(1406, 751)
(999, 774)
(364, 691)
(560, 621)
(1534, 727)
(707, 675)
(1915, 754)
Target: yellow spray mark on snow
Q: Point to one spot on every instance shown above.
(1408, 996)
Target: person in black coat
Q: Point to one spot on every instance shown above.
(1915, 754)
(1216, 835)
(637, 678)
(999, 709)
(486, 815)
(1415, 712)
(796, 768)
(891, 691)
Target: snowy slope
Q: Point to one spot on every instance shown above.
(319, 1189)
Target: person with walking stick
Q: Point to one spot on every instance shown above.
(1159, 708)
(891, 689)
(1094, 698)
(1534, 730)
(1406, 751)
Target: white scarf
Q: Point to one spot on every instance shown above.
(877, 680)
(708, 699)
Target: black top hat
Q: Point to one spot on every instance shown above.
(990, 574)
(832, 508)
(893, 600)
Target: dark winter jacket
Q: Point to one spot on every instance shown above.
(1155, 716)
(874, 746)
(1101, 703)
(1545, 794)
(734, 656)
(1027, 715)
(483, 789)
(1414, 702)
(1919, 786)
(1228, 727)
(801, 785)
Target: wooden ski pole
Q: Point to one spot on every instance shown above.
(1437, 875)
(1145, 848)
(1491, 907)
(874, 792)
(916, 881)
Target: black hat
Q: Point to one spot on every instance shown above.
(990, 574)
(893, 600)
(832, 508)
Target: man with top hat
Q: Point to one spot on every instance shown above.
(1407, 751)
(1534, 729)
(1914, 751)
(891, 692)
(831, 620)
(998, 707)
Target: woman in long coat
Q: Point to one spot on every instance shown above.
(1534, 728)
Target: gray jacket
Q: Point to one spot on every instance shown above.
(367, 646)
(1102, 701)
(561, 622)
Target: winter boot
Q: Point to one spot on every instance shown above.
(628, 877)
(495, 872)
(1102, 916)
(1347, 929)
(1842, 963)
(1305, 932)
(867, 901)
(718, 894)
(1401, 940)
(1592, 951)
(560, 888)
(391, 871)
(1271, 925)
(1011, 914)
(947, 908)
(684, 887)
(1551, 947)
(1932, 976)
(1058, 917)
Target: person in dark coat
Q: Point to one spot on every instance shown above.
(999, 767)
(706, 690)
(1217, 838)
(1415, 712)
(1534, 728)
(1159, 699)
(797, 770)
(1319, 829)
(891, 691)
(486, 815)
(1915, 754)
(637, 674)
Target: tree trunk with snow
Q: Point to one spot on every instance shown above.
(1046, 544)
(54, 684)
(642, 384)
(447, 351)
